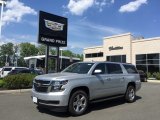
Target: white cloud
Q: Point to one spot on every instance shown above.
(101, 28)
(132, 6)
(112, 1)
(85, 34)
(78, 7)
(100, 4)
(15, 10)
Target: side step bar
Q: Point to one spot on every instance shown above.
(105, 99)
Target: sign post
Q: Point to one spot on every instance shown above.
(46, 59)
(52, 32)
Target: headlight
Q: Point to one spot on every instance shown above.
(58, 85)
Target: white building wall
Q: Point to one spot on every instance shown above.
(145, 46)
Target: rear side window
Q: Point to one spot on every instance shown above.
(25, 71)
(114, 68)
(19, 68)
(130, 69)
(7, 69)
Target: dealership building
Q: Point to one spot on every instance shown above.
(126, 48)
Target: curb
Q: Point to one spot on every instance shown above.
(15, 91)
(153, 81)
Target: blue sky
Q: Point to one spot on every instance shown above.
(88, 20)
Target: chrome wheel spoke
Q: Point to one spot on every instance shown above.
(82, 98)
(77, 108)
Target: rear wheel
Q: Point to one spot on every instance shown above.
(130, 94)
(78, 103)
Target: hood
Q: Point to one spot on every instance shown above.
(61, 76)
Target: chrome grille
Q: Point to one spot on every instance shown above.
(41, 85)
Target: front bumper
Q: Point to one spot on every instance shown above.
(52, 99)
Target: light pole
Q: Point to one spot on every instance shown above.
(2, 3)
(61, 59)
(6, 64)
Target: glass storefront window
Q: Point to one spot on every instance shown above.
(142, 67)
(140, 62)
(141, 57)
(153, 56)
(92, 55)
(153, 68)
(148, 62)
(117, 58)
(152, 61)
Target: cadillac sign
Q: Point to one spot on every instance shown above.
(55, 26)
(52, 30)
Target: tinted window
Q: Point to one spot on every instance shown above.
(25, 71)
(153, 56)
(141, 57)
(101, 67)
(130, 68)
(7, 69)
(100, 54)
(114, 68)
(116, 58)
(141, 62)
(19, 68)
(123, 58)
(94, 55)
(153, 61)
(142, 67)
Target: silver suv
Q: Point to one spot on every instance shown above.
(84, 82)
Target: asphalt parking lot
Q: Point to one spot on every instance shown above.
(19, 106)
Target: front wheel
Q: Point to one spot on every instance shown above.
(78, 103)
(130, 94)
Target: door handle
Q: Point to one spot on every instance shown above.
(122, 79)
(109, 79)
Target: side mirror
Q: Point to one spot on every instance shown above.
(97, 71)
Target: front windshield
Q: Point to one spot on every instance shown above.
(80, 68)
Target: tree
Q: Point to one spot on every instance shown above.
(41, 49)
(27, 49)
(67, 53)
(6, 53)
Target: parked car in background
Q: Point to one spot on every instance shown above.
(6, 70)
(143, 76)
(0, 72)
(32, 71)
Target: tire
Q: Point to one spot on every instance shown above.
(130, 94)
(78, 103)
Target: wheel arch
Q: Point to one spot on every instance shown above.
(84, 88)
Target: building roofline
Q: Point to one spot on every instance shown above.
(93, 47)
(144, 40)
(117, 35)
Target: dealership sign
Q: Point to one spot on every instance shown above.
(52, 30)
(115, 48)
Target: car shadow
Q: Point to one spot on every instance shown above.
(50, 112)
(107, 104)
(92, 107)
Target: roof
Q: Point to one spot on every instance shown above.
(43, 56)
